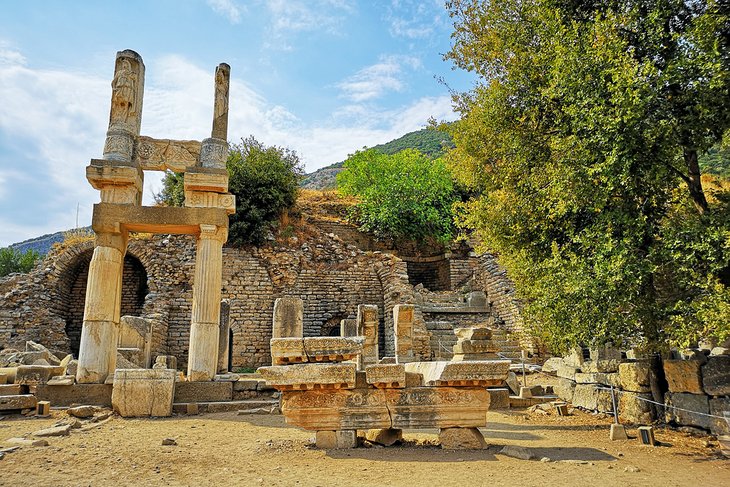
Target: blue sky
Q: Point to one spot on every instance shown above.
(323, 77)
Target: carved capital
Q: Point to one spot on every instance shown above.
(213, 232)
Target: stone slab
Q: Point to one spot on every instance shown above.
(633, 409)
(333, 349)
(36, 374)
(634, 376)
(589, 396)
(697, 403)
(498, 398)
(18, 402)
(484, 373)
(461, 439)
(10, 389)
(684, 376)
(203, 391)
(716, 376)
(63, 396)
(288, 317)
(386, 375)
(143, 392)
(310, 376)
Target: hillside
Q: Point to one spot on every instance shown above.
(716, 161)
(429, 141)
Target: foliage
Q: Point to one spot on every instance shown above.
(401, 196)
(265, 181)
(12, 260)
(432, 142)
(582, 139)
(716, 161)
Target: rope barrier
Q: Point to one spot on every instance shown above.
(663, 405)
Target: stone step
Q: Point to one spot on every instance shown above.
(226, 406)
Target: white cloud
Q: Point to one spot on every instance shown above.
(376, 80)
(57, 120)
(290, 17)
(228, 9)
(416, 19)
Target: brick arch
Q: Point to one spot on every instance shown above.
(70, 288)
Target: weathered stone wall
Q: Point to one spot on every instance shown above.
(492, 278)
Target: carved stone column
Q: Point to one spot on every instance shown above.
(367, 326)
(100, 331)
(125, 116)
(204, 329)
(403, 331)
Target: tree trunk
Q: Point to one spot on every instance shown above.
(694, 180)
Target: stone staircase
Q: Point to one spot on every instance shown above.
(446, 310)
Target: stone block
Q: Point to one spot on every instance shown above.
(716, 376)
(385, 437)
(10, 389)
(348, 328)
(62, 380)
(310, 376)
(3, 379)
(552, 365)
(634, 376)
(567, 372)
(476, 299)
(684, 376)
(574, 358)
(346, 439)
(482, 373)
(633, 409)
(438, 407)
(564, 389)
(367, 326)
(498, 398)
(473, 333)
(288, 318)
(82, 412)
(332, 349)
(326, 440)
(618, 432)
(720, 407)
(204, 391)
(585, 396)
(94, 394)
(287, 351)
(461, 439)
(143, 392)
(36, 374)
(403, 315)
(18, 402)
(697, 403)
(414, 380)
(513, 383)
(386, 375)
(245, 385)
(330, 410)
(72, 367)
(165, 362)
(603, 366)
(9, 373)
(605, 352)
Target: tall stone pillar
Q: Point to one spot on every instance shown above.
(367, 326)
(403, 331)
(214, 150)
(100, 331)
(204, 329)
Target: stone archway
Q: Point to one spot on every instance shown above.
(72, 292)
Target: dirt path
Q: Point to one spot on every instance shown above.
(226, 449)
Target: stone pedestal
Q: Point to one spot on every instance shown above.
(204, 329)
(403, 328)
(367, 326)
(99, 334)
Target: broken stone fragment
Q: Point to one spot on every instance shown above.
(54, 431)
(461, 439)
(385, 436)
(483, 373)
(81, 411)
(518, 452)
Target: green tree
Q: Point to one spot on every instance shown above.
(265, 181)
(13, 260)
(586, 123)
(401, 196)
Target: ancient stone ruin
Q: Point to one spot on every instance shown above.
(119, 177)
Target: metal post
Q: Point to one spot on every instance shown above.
(615, 409)
(524, 374)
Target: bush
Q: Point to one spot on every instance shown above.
(265, 181)
(13, 260)
(401, 196)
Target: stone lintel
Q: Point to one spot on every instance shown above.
(110, 218)
(386, 375)
(310, 376)
(467, 374)
(161, 154)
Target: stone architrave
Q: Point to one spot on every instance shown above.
(386, 375)
(223, 335)
(288, 318)
(484, 373)
(143, 392)
(367, 326)
(403, 324)
(310, 376)
(119, 177)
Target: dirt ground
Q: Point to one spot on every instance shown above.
(228, 449)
